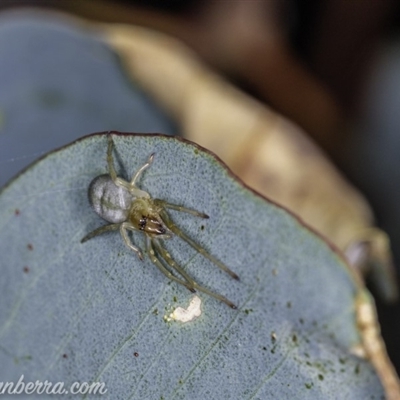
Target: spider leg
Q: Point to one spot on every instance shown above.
(167, 220)
(111, 169)
(100, 231)
(141, 169)
(110, 159)
(172, 263)
(177, 207)
(122, 182)
(124, 227)
(160, 266)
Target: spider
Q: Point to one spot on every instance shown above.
(128, 208)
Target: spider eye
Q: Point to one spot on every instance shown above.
(142, 223)
(152, 225)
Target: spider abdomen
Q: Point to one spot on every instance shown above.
(109, 201)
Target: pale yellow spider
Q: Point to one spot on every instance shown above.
(129, 208)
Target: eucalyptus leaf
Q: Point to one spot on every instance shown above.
(94, 312)
(59, 81)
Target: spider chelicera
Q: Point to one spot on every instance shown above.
(129, 208)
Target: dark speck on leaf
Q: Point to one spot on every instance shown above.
(51, 98)
(357, 369)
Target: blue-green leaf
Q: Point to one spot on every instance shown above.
(94, 312)
(59, 82)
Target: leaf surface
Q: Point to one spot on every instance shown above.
(95, 312)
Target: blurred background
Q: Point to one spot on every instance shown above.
(330, 66)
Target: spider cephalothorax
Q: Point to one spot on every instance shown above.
(128, 208)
